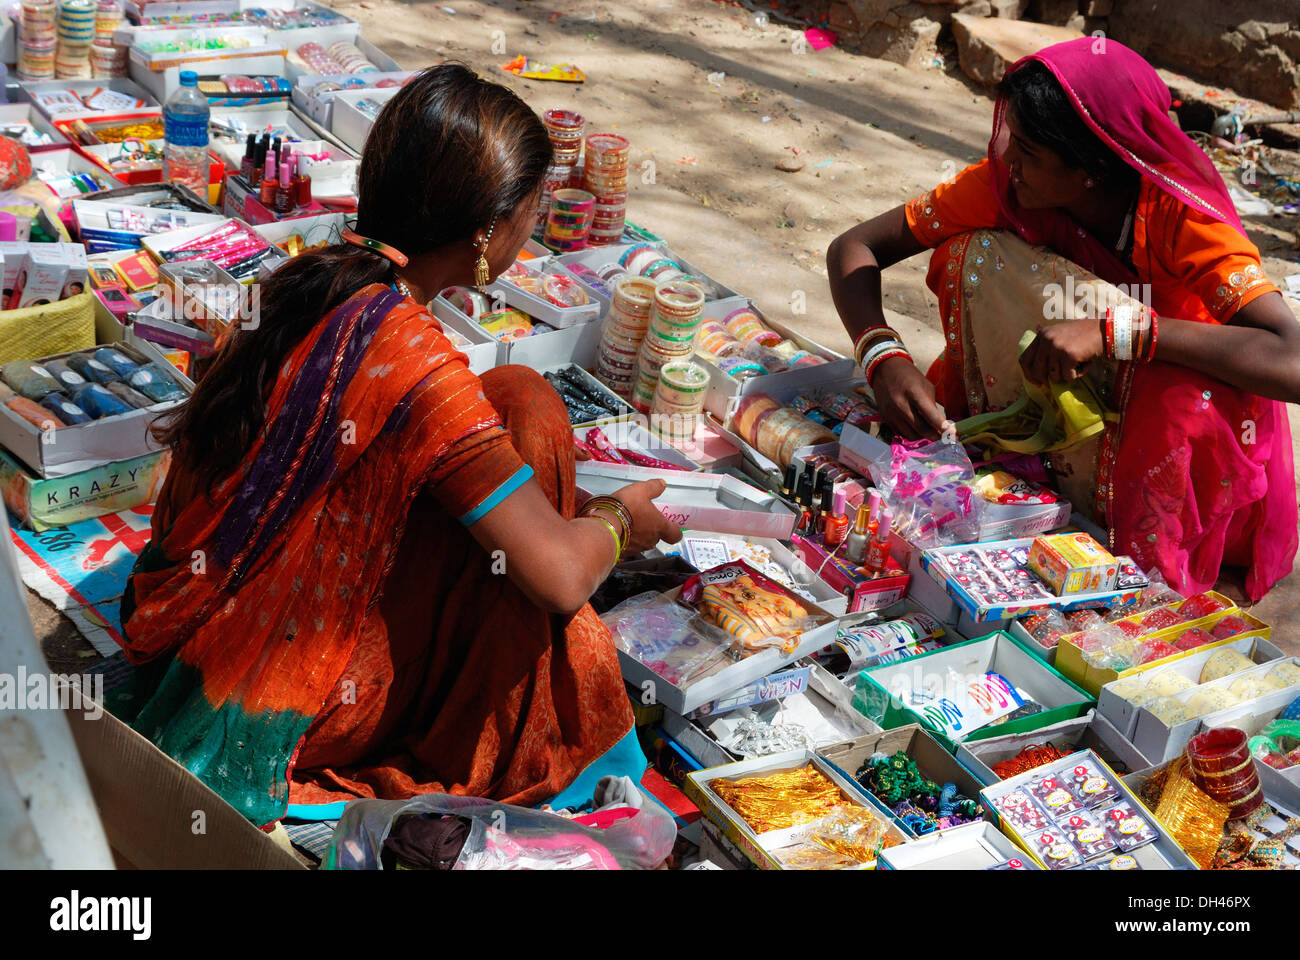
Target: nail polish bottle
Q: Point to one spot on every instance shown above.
(788, 482)
(878, 552)
(259, 162)
(250, 152)
(860, 537)
(285, 199)
(270, 179)
(804, 500)
(303, 181)
(837, 523)
(827, 505)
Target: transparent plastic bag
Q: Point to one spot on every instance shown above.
(928, 487)
(506, 837)
(668, 637)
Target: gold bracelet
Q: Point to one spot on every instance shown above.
(618, 545)
(616, 508)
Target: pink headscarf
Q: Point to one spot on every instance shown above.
(1126, 104)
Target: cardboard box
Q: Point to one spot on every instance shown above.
(972, 846)
(701, 501)
(596, 258)
(538, 306)
(1122, 712)
(1159, 741)
(147, 803)
(934, 562)
(961, 704)
(862, 593)
(40, 278)
(932, 759)
(319, 104)
(39, 503)
(49, 97)
(1070, 662)
(595, 387)
(1091, 731)
(1162, 854)
(630, 435)
(761, 848)
(726, 675)
(348, 123)
(1073, 564)
(21, 115)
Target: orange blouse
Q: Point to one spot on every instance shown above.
(1198, 268)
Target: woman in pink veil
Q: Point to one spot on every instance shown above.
(1090, 186)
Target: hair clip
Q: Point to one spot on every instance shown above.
(383, 249)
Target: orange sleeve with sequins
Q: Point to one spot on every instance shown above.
(966, 202)
(1203, 258)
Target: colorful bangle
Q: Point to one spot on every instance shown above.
(618, 544)
(879, 348)
(888, 355)
(870, 335)
(616, 507)
(1155, 332)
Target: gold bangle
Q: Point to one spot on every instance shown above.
(618, 544)
(616, 507)
(869, 336)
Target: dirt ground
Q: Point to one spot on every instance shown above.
(712, 98)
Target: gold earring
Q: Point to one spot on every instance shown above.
(481, 270)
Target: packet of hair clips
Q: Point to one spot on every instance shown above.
(1053, 792)
(1129, 828)
(1121, 861)
(1015, 863)
(1054, 847)
(1089, 783)
(1088, 833)
(1023, 813)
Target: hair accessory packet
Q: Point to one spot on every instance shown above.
(756, 611)
(929, 488)
(668, 637)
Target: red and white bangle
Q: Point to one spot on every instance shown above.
(875, 363)
(869, 337)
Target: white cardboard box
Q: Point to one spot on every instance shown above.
(31, 90)
(971, 846)
(630, 435)
(320, 105)
(351, 125)
(1123, 713)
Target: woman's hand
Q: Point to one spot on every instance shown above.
(905, 399)
(649, 526)
(1063, 351)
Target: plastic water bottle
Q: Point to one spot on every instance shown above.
(185, 130)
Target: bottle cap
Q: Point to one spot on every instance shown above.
(882, 531)
(286, 172)
(189, 78)
(250, 148)
(805, 489)
(875, 501)
(863, 518)
(841, 501)
(828, 493)
(788, 482)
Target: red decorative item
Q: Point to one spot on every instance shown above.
(1201, 605)
(1161, 619)
(15, 164)
(1157, 650)
(1128, 628)
(1191, 639)
(1230, 627)
(1219, 763)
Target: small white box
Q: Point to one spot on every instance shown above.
(971, 846)
(41, 277)
(350, 124)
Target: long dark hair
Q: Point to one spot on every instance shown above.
(1049, 118)
(449, 154)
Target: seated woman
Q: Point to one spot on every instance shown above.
(366, 577)
(1089, 185)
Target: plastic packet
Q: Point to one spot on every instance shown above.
(1090, 783)
(1127, 827)
(1054, 847)
(854, 832)
(1088, 834)
(1054, 793)
(1047, 626)
(1020, 810)
(928, 487)
(506, 837)
(1201, 605)
(1153, 650)
(667, 637)
(757, 612)
(1015, 863)
(1121, 861)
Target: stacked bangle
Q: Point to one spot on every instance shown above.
(1129, 333)
(618, 544)
(870, 336)
(895, 350)
(618, 510)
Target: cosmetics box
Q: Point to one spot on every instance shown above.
(79, 447)
(158, 245)
(594, 386)
(348, 123)
(862, 593)
(1161, 854)
(956, 693)
(804, 693)
(22, 116)
(725, 676)
(319, 104)
(1123, 713)
(118, 302)
(236, 123)
(971, 846)
(699, 501)
(1159, 741)
(932, 759)
(723, 387)
(51, 98)
(705, 549)
(935, 562)
(1069, 654)
(1073, 564)
(40, 504)
(1091, 731)
(40, 278)
(76, 281)
(159, 71)
(104, 227)
(485, 351)
(763, 849)
(241, 203)
(535, 304)
(630, 435)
